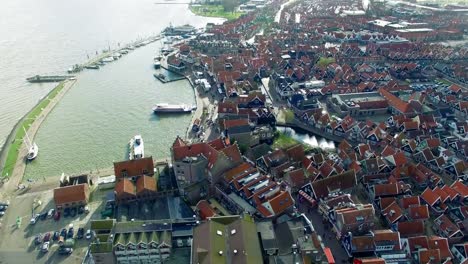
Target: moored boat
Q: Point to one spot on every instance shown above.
(157, 64)
(92, 67)
(33, 149)
(137, 149)
(169, 108)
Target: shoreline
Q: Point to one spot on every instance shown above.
(17, 174)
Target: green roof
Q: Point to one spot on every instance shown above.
(102, 224)
(101, 247)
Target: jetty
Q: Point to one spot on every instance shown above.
(48, 78)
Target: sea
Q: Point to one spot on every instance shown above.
(91, 126)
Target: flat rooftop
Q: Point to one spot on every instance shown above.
(409, 30)
(359, 97)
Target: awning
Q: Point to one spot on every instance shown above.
(329, 255)
(307, 197)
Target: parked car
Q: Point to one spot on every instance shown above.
(51, 213)
(80, 233)
(38, 239)
(65, 251)
(2, 213)
(7, 203)
(86, 209)
(64, 233)
(66, 212)
(56, 235)
(34, 219)
(73, 212)
(45, 247)
(70, 233)
(81, 209)
(3, 208)
(57, 216)
(46, 237)
(43, 216)
(88, 234)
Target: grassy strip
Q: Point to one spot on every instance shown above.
(15, 146)
(214, 11)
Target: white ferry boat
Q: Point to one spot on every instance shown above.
(168, 108)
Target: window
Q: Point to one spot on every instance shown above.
(145, 171)
(124, 173)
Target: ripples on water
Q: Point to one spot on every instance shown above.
(91, 126)
(48, 36)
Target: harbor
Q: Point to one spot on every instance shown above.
(70, 142)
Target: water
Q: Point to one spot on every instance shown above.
(92, 124)
(48, 36)
(307, 138)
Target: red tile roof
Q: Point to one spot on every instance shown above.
(406, 202)
(205, 210)
(430, 197)
(136, 167)
(124, 188)
(445, 225)
(461, 188)
(393, 212)
(71, 194)
(442, 245)
(411, 228)
(145, 183)
(340, 182)
(385, 236)
(431, 256)
(395, 102)
(419, 212)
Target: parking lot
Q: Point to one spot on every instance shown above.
(20, 246)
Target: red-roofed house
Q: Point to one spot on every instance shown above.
(444, 227)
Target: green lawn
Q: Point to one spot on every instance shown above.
(12, 155)
(214, 11)
(324, 62)
(283, 141)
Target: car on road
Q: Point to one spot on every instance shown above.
(65, 251)
(88, 234)
(46, 237)
(70, 233)
(80, 233)
(56, 235)
(38, 239)
(51, 213)
(45, 247)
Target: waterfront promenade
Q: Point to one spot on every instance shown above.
(17, 175)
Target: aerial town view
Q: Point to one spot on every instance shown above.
(234, 131)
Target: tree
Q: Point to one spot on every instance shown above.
(229, 5)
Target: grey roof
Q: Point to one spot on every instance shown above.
(239, 129)
(267, 235)
(289, 232)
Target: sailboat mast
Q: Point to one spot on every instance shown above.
(27, 137)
